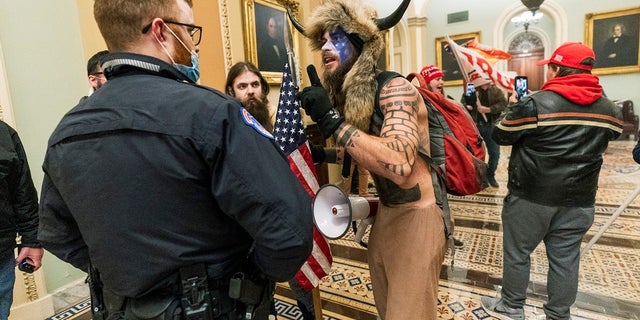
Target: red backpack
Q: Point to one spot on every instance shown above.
(457, 148)
(461, 158)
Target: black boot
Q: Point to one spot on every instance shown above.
(306, 314)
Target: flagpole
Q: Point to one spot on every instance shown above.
(613, 217)
(317, 303)
(296, 79)
(315, 292)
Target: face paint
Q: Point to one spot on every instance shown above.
(341, 43)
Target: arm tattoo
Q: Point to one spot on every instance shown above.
(399, 104)
(345, 139)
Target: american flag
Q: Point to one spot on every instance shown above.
(290, 136)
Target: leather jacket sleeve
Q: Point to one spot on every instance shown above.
(510, 128)
(23, 195)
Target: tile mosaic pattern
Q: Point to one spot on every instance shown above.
(610, 270)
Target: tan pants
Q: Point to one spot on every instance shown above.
(363, 181)
(406, 251)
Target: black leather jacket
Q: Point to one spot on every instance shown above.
(152, 173)
(18, 197)
(557, 147)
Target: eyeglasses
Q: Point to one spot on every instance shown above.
(99, 75)
(194, 31)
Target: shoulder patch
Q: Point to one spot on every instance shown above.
(253, 123)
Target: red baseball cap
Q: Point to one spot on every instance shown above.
(570, 54)
(431, 72)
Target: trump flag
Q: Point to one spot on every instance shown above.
(475, 66)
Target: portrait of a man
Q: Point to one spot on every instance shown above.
(619, 49)
(272, 52)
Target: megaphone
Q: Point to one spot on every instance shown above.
(333, 211)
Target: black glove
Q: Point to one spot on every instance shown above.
(316, 104)
(471, 100)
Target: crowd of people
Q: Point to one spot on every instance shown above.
(204, 232)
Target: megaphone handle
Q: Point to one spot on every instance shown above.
(346, 166)
(362, 228)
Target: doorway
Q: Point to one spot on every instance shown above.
(526, 50)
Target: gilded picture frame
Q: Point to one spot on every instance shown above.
(269, 35)
(447, 62)
(614, 36)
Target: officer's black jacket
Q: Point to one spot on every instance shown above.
(18, 197)
(152, 173)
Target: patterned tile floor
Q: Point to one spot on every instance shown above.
(609, 285)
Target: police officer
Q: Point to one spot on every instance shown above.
(156, 180)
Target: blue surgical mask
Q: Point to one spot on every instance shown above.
(192, 72)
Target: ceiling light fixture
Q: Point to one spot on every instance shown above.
(528, 17)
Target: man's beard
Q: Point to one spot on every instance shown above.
(333, 83)
(259, 109)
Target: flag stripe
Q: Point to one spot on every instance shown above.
(307, 171)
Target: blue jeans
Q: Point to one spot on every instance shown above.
(7, 279)
(486, 129)
(525, 224)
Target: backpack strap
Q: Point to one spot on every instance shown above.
(438, 184)
(382, 78)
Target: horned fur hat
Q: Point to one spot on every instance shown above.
(360, 21)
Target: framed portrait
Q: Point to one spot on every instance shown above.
(614, 36)
(269, 35)
(447, 62)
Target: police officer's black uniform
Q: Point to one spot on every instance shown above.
(153, 173)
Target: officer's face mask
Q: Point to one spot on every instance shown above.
(192, 72)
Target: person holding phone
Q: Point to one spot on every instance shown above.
(485, 102)
(558, 136)
(522, 87)
(18, 214)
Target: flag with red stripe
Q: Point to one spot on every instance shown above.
(475, 66)
(490, 53)
(290, 136)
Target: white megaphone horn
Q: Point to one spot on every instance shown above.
(333, 211)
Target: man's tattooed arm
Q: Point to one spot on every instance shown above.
(394, 152)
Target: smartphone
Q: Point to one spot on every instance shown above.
(25, 266)
(470, 90)
(522, 87)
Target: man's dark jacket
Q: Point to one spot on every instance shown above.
(152, 173)
(18, 197)
(558, 139)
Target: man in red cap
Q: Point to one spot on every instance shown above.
(558, 136)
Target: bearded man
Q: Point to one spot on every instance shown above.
(245, 82)
(408, 236)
